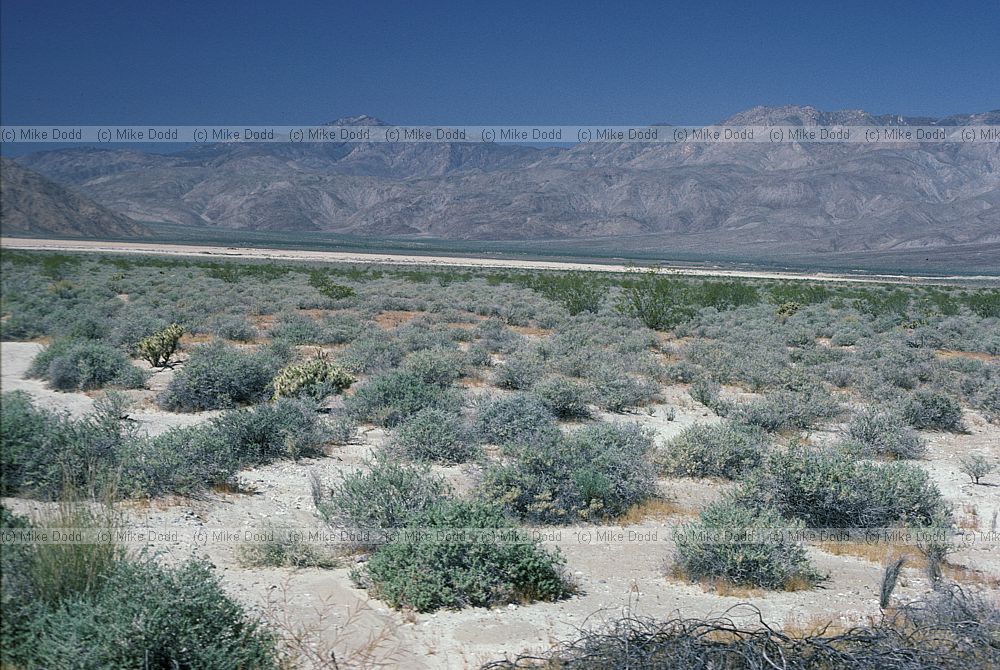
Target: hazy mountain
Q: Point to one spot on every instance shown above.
(31, 204)
(757, 198)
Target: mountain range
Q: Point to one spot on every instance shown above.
(759, 199)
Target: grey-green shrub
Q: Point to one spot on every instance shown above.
(828, 488)
(726, 449)
(615, 390)
(516, 419)
(782, 409)
(382, 498)
(933, 409)
(218, 376)
(875, 432)
(713, 548)
(439, 366)
(597, 472)
(390, 398)
(518, 371)
(565, 398)
(471, 569)
(435, 436)
(84, 365)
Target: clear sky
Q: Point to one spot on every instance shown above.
(97, 62)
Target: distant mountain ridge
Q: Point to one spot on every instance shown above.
(759, 198)
(30, 204)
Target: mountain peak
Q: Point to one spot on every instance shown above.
(360, 120)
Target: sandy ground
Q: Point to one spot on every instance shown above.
(432, 261)
(613, 576)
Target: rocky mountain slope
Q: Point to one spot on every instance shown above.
(30, 204)
(801, 198)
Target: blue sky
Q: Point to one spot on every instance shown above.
(538, 62)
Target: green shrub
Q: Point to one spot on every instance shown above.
(383, 498)
(829, 489)
(875, 432)
(31, 440)
(84, 365)
(316, 378)
(434, 435)
(427, 570)
(660, 303)
(596, 473)
(389, 399)
(157, 349)
(726, 449)
(174, 618)
(565, 398)
(933, 409)
(218, 376)
(327, 287)
(787, 409)
(732, 543)
(436, 366)
(516, 419)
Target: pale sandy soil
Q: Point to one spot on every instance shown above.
(431, 261)
(613, 577)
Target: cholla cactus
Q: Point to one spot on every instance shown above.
(316, 377)
(159, 347)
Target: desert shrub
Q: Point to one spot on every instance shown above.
(933, 409)
(615, 390)
(44, 452)
(436, 366)
(596, 473)
(516, 419)
(463, 569)
(372, 354)
(976, 466)
(478, 356)
(175, 617)
(882, 433)
(709, 393)
(297, 329)
(235, 328)
(434, 435)
(159, 348)
(725, 449)
(660, 303)
(218, 376)
(519, 370)
(84, 365)
(732, 543)
(383, 498)
(276, 547)
(316, 378)
(576, 291)
(830, 489)
(392, 397)
(186, 460)
(286, 428)
(565, 398)
(495, 337)
(321, 281)
(343, 429)
(787, 408)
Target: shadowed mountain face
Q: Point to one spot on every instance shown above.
(30, 204)
(785, 198)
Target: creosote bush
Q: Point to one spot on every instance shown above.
(159, 348)
(85, 365)
(725, 449)
(595, 473)
(316, 378)
(483, 563)
(713, 548)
